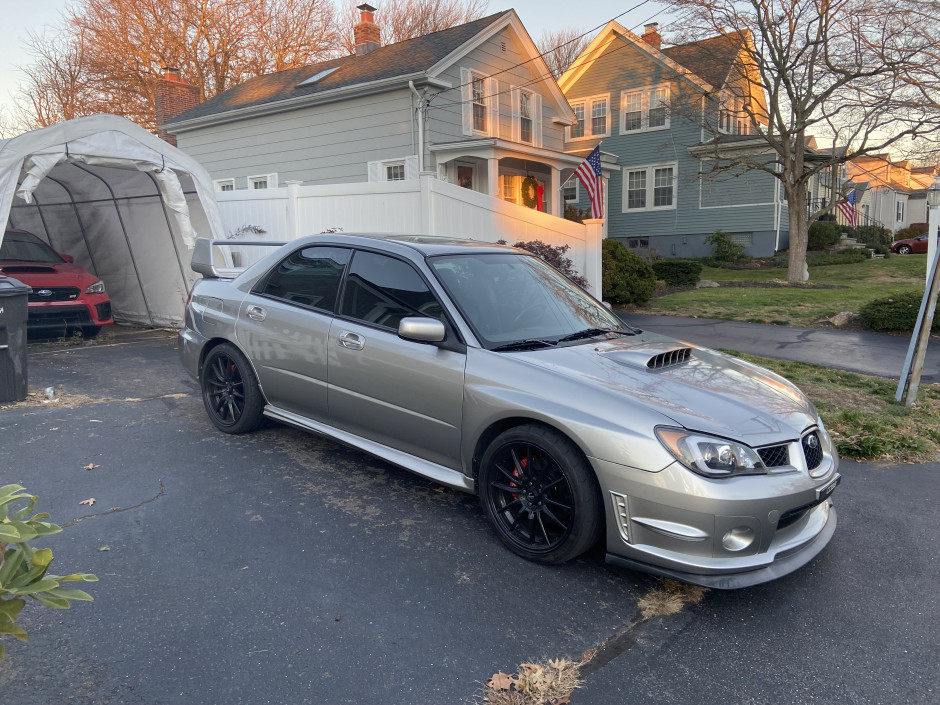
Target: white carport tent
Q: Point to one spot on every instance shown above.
(124, 203)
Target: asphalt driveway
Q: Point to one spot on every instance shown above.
(279, 567)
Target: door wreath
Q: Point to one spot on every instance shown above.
(530, 192)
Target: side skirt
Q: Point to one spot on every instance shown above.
(419, 466)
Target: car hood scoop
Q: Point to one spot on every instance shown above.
(652, 357)
(27, 269)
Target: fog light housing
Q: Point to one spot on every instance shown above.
(739, 538)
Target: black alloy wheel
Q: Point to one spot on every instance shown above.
(230, 391)
(540, 494)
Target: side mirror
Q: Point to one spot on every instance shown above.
(424, 330)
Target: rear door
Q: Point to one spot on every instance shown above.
(284, 325)
(403, 394)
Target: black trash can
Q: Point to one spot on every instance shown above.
(14, 306)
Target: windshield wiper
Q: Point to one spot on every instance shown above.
(594, 332)
(527, 344)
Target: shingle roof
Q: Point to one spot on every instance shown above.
(710, 59)
(401, 59)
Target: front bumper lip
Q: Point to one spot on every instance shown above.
(733, 581)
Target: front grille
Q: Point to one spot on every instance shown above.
(812, 449)
(774, 456)
(53, 294)
(667, 359)
(57, 317)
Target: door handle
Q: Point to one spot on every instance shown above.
(256, 313)
(351, 340)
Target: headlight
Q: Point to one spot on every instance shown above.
(96, 288)
(710, 456)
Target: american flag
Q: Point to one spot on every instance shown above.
(589, 174)
(847, 209)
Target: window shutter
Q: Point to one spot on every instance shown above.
(466, 101)
(375, 171)
(516, 131)
(537, 119)
(411, 167)
(492, 104)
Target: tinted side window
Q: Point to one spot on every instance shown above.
(309, 277)
(383, 290)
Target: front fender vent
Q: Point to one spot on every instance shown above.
(669, 358)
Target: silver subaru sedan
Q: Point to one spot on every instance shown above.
(484, 369)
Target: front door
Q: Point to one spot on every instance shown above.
(400, 393)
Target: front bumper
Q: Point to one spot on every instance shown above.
(75, 314)
(724, 533)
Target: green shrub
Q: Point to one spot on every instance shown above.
(724, 249)
(912, 230)
(895, 313)
(576, 214)
(823, 235)
(678, 272)
(628, 279)
(874, 235)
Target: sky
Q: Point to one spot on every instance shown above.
(536, 15)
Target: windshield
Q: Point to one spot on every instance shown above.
(26, 247)
(508, 298)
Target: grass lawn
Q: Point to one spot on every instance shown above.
(794, 304)
(861, 415)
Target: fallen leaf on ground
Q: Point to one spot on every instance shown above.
(90, 466)
(105, 548)
(500, 681)
(90, 502)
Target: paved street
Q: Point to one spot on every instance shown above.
(281, 568)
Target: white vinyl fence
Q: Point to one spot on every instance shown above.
(425, 206)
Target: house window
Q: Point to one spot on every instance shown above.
(644, 109)
(394, 171)
(650, 188)
(638, 243)
(525, 116)
(262, 182)
(599, 125)
(479, 104)
(577, 130)
(900, 211)
(509, 186)
(224, 184)
(570, 192)
(732, 119)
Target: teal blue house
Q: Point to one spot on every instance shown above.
(664, 114)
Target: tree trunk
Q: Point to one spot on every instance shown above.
(799, 236)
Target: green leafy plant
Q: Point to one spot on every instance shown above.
(823, 234)
(627, 278)
(23, 569)
(874, 235)
(895, 312)
(678, 272)
(724, 249)
(912, 230)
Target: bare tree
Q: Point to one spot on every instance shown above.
(108, 53)
(561, 48)
(860, 76)
(405, 19)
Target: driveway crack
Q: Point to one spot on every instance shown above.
(117, 510)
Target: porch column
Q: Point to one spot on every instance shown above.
(492, 177)
(558, 201)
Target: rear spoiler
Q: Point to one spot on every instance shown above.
(206, 252)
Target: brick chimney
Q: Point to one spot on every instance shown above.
(173, 96)
(652, 36)
(367, 35)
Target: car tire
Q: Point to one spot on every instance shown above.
(540, 494)
(904, 250)
(230, 390)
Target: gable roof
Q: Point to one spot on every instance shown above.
(712, 58)
(401, 60)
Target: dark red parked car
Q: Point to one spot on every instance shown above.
(913, 245)
(65, 297)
